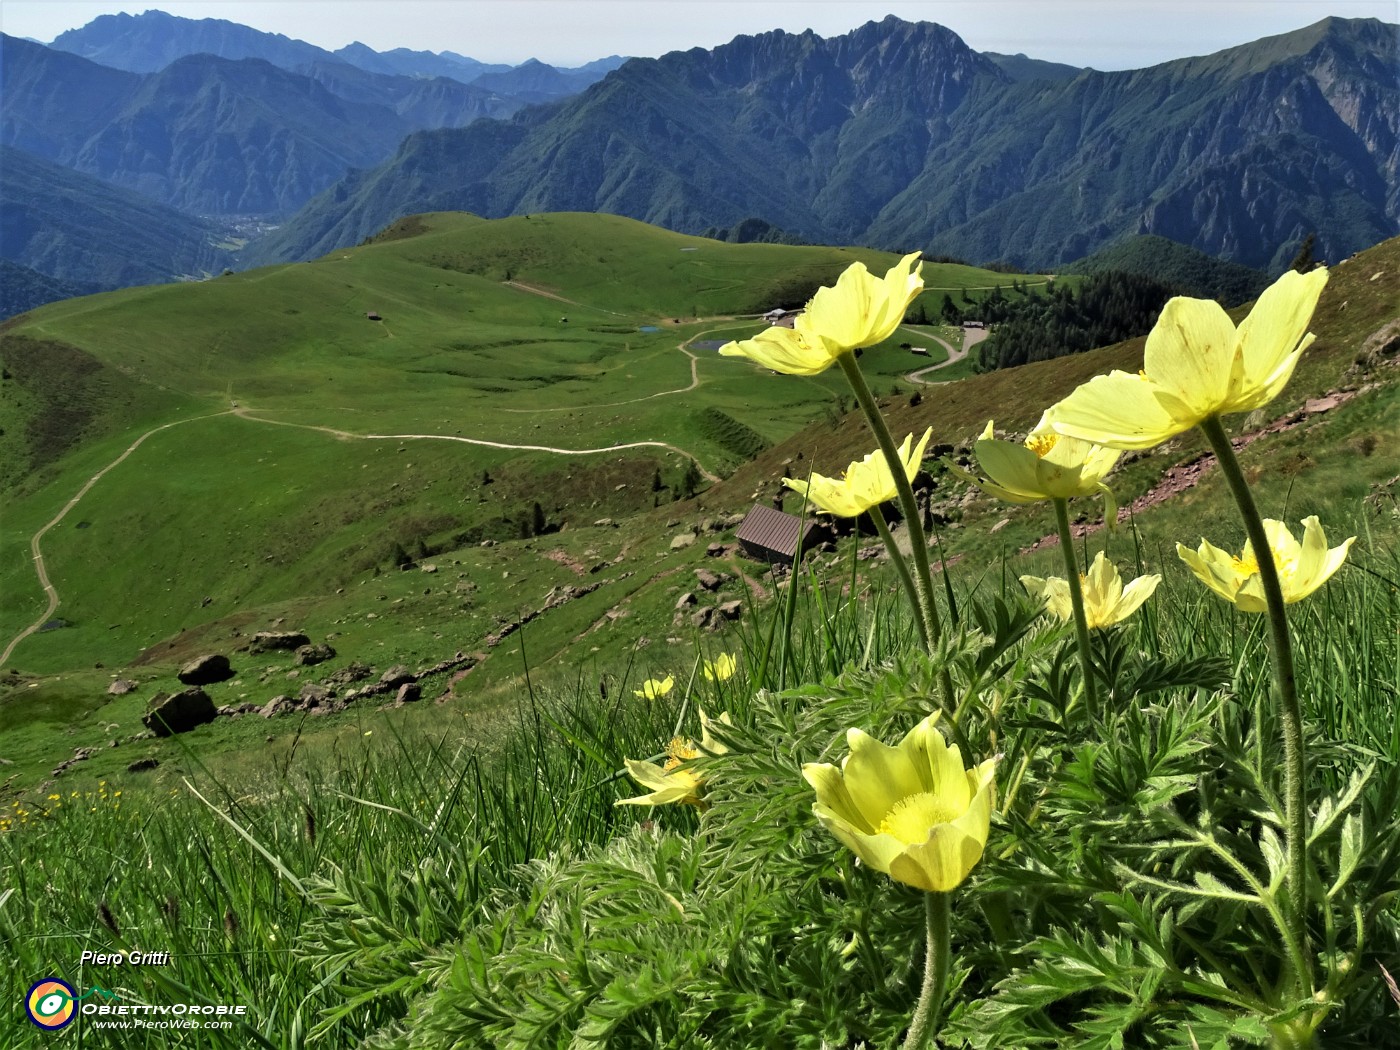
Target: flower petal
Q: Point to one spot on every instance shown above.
(1134, 594)
(878, 775)
(1270, 337)
(1010, 466)
(782, 350)
(1190, 354)
(1119, 410)
(1213, 567)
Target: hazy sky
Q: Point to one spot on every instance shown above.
(1105, 34)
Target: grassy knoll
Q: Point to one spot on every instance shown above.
(455, 872)
(567, 331)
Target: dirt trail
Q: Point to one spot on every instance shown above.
(40, 569)
(1188, 474)
(243, 413)
(971, 337)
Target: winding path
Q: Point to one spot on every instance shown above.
(243, 413)
(694, 382)
(34, 544)
(41, 570)
(971, 337)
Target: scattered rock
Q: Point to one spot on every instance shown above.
(80, 754)
(205, 670)
(409, 692)
(715, 550)
(121, 687)
(351, 672)
(179, 712)
(605, 523)
(731, 610)
(313, 693)
(686, 599)
(682, 541)
(704, 617)
(1316, 405)
(396, 676)
(315, 653)
(710, 581)
(278, 705)
(141, 765)
(264, 641)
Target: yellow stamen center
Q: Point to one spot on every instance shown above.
(677, 751)
(1041, 444)
(1246, 564)
(913, 817)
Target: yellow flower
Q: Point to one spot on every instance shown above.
(674, 781)
(1106, 600)
(654, 688)
(1046, 465)
(1302, 568)
(860, 310)
(865, 484)
(912, 810)
(1197, 365)
(721, 670)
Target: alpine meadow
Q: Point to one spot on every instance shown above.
(832, 544)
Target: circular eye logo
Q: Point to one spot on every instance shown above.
(50, 1003)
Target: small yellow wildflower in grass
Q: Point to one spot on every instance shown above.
(655, 689)
(1106, 600)
(1302, 567)
(860, 310)
(1045, 466)
(865, 484)
(673, 781)
(722, 669)
(1197, 365)
(912, 810)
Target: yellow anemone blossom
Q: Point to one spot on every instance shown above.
(859, 310)
(912, 810)
(865, 484)
(1046, 465)
(674, 781)
(1106, 600)
(1302, 567)
(721, 670)
(1196, 365)
(655, 688)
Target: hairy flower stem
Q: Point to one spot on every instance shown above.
(1285, 685)
(924, 1024)
(1076, 598)
(902, 568)
(925, 606)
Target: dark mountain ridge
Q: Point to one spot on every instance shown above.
(218, 136)
(83, 232)
(897, 134)
(148, 42)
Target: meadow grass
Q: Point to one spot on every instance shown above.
(410, 820)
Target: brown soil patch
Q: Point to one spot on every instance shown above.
(1186, 475)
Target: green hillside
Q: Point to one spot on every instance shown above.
(417, 840)
(1190, 271)
(294, 452)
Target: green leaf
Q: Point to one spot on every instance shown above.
(1349, 852)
